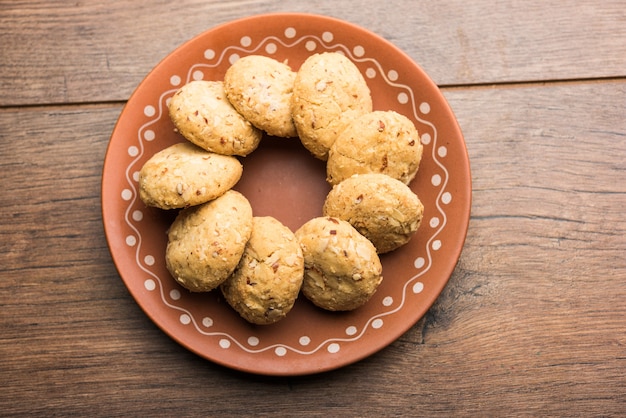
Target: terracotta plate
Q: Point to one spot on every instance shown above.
(281, 179)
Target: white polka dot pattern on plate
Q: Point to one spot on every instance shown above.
(377, 323)
(334, 348)
(418, 287)
(149, 260)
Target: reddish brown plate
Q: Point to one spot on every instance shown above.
(281, 179)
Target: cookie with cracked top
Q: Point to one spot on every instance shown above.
(329, 92)
(201, 113)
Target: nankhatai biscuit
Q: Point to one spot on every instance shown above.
(341, 267)
(205, 242)
(377, 142)
(266, 283)
(260, 88)
(201, 113)
(329, 91)
(185, 175)
(383, 209)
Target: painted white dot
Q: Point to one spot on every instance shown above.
(175, 80)
(388, 301)
(207, 322)
(149, 284)
(446, 198)
(333, 348)
(290, 32)
(253, 341)
(137, 215)
(131, 241)
(370, 73)
(245, 41)
(149, 260)
(149, 135)
(426, 139)
(359, 51)
(351, 330)
(403, 98)
(425, 108)
(442, 151)
(328, 36)
(310, 46)
(233, 58)
(377, 323)
(133, 151)
(434, 222)
(209, 54)
(271, 48)
(418, 287)
(393, 75)
(280, 351)
(149, 111)
(185, 319)
(136, 176)
(419, 262)
(304, 340)
(435, 180)
(436, 245)
(197, 75)
(224, 343)
(175, 294)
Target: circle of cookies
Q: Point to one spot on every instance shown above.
(260, 88)
(377, 142)
(341, 267)
(265, 285)
(206, 242)
(203, 115)
(329, 91)
(383, 209)
(259, 264)
(185, 175)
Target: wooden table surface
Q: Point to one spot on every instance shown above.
(533, 319)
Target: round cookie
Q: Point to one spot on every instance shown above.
(341, 267)
(205, 242)
(377, 142)
(329, 91)
(260, 88)
(202, 114)
(185, 175)
(383, 209)
(266, 283)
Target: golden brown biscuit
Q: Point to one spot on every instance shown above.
(341, 267)
(205, 242)
(383, 209)
(329, 92)
(260, 88)
(377, 142)
(264, 286)
(185, 175)
(202, 114)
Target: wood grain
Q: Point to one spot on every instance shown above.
(532, 320)
(93, 51)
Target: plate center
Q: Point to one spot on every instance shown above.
(282, 179)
